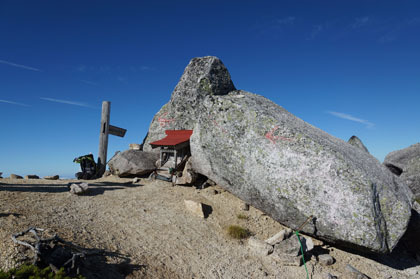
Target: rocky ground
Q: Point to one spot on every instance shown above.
(145, 231)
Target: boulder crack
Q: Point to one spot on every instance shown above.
(380, 223)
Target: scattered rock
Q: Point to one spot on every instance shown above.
(52, 177)
(195, 208)
(135, 180)
(260, 247)
(31, 176)
(245, 207)
(79, 189)
(330, 276)
(353, 273)
(355, 141)
(202, 77)
(189, 176)
(307, 244)
(135, 146)
(277, 238)
(284, 258)
(406, 164)
(106, 173)
(325, 259)
(15, 176)
(291, 246)
(133, 162)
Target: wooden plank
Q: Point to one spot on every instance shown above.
(117, 131)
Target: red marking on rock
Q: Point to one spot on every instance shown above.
(272, 138)
(163, 121)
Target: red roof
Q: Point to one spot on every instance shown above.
(174, 137)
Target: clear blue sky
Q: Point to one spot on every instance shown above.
(347, 67)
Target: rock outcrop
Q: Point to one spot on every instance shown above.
(202, 77)
(133, 162)
(355, 141)
(282, 165)
(406, 164)
(289, 169)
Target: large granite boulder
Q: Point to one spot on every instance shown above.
(282, 165)
(291, 170)
(406, 164)
(355, 141)
(202, 77)
(133, 162)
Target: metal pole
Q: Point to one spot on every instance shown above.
(103, 137)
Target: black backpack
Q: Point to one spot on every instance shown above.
(88, 166)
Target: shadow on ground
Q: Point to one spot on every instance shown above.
(95, 188)
(404, 254)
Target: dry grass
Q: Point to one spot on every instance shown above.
(238, 232)
(242, 216)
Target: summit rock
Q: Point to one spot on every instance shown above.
(205, 76)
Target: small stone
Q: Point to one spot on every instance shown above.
(307, 243)
(325, 259)
(285, 259)
(353, 273)
(289, 246)
(189, 176)
(260, 247)
(135, 180)
(215, 192)
(52, 177)
(106, 173)
(79, 189)
(135, 146)
(245, 207)
(277, 238)
(31, 176)
(330, 276)
(15, 176)
(195, 208)
(211, 182)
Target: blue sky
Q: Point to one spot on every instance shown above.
(347, 67)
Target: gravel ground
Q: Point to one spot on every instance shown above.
(145, 231)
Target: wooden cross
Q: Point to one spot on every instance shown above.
(106, 129)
